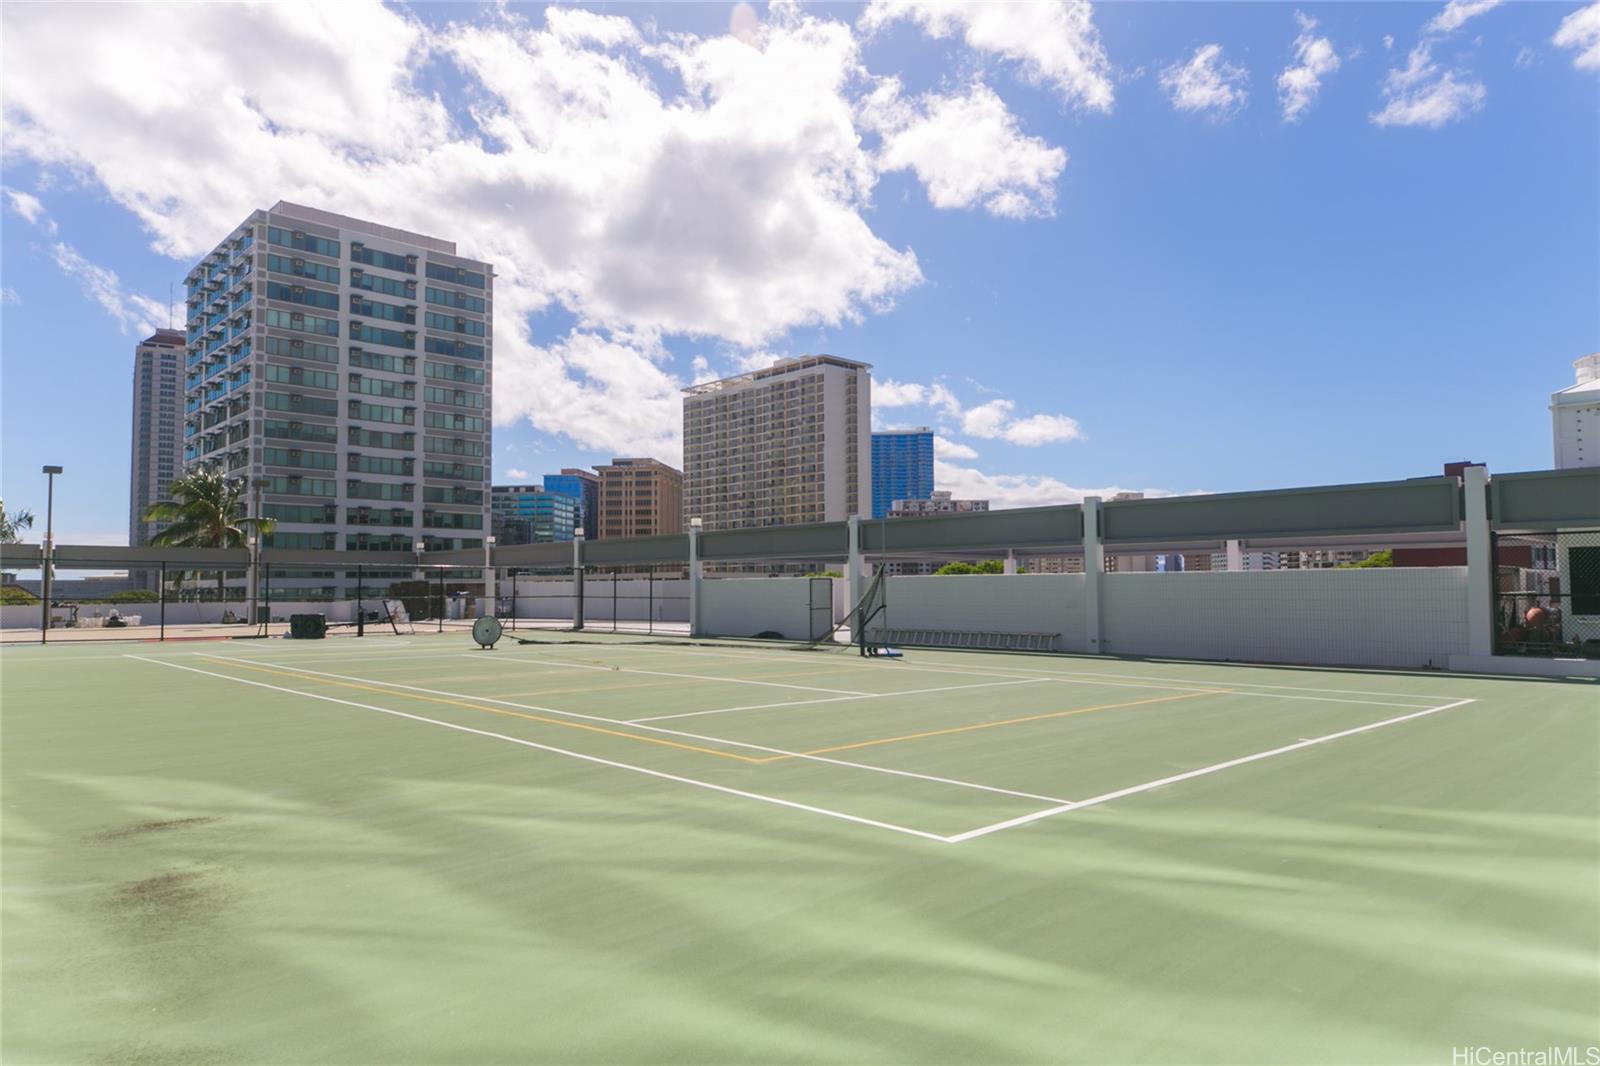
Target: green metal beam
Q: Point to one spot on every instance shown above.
(1545, 500)
(1421, 505)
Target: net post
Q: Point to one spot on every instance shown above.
(440, 612)
(161, 600)
(361, 611)
(513, 600)
(852, 576)
(613, 601)
(577, 579)
(1480, 563)
(694, 577)
(650, 600)
(1094, 569)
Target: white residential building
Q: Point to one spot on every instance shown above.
(344, 368)
(1575, 417)
(788, 444)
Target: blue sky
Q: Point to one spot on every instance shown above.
(1094, 252)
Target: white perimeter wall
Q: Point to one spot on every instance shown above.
(743, 607)
(1370, 617)
(1001, 603)
(1409, 617)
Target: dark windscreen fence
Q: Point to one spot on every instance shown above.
(1547, 594)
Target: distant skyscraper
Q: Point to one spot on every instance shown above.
(583, 485)
(345, 364)
(787, 444)
(902, 467)
(1574, 409)
(640, 498)
(157, 428)
(528, 514)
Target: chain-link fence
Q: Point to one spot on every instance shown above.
(1547, 594)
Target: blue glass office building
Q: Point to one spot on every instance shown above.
(583, 486)
(902, 467)
(527, 514)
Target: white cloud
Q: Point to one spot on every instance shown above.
(744, 24)
(651, 186)
(1421, 94)
(1017, 490)
(1456, 13)
(29, 207)
(8, 295)
(991, 420)
(1580, 31)
(517, 475)
(1035, 430)
(133, 313)
(1054, 41)
(944, 448)
(966, 150)
(1388, 41)
(1207, 83)
(890, 393)
(1525, 57)
(1315, 58)
(987, 420)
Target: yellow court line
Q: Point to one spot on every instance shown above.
(1014, 721)
(481, 707)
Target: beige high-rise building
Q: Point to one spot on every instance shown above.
(785, 445)
(639, 498)
(156, 455)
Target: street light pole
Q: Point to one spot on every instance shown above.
(255, 545)
(50, 473)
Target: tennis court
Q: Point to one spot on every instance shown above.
(411, 849)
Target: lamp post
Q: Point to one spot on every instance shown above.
(45, 574)
(256, 485)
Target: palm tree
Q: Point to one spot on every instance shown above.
(11, 526)
(206, 511)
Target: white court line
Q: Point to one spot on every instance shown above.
(672, 732)
(1083, 677)
(1012, 823)
(664, 673)
(562, 751)
(836, 699)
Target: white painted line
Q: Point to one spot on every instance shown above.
(836, 699)
(664, 673)
(1091, 677)
(1012, 823)
(562, 751)
(671, 732)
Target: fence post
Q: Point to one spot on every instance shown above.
(1094, 569)
(613, 601)
(361, 610)
(694, 577)
(513, 601)
(650, 601)
(1480, 564)
(161, 600)
(441, 601)
(852, 574)
(577, 579)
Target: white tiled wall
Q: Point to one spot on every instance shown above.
(743, 607)
(998, 603)
(1374, 617)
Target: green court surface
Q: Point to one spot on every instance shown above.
(410, 850)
